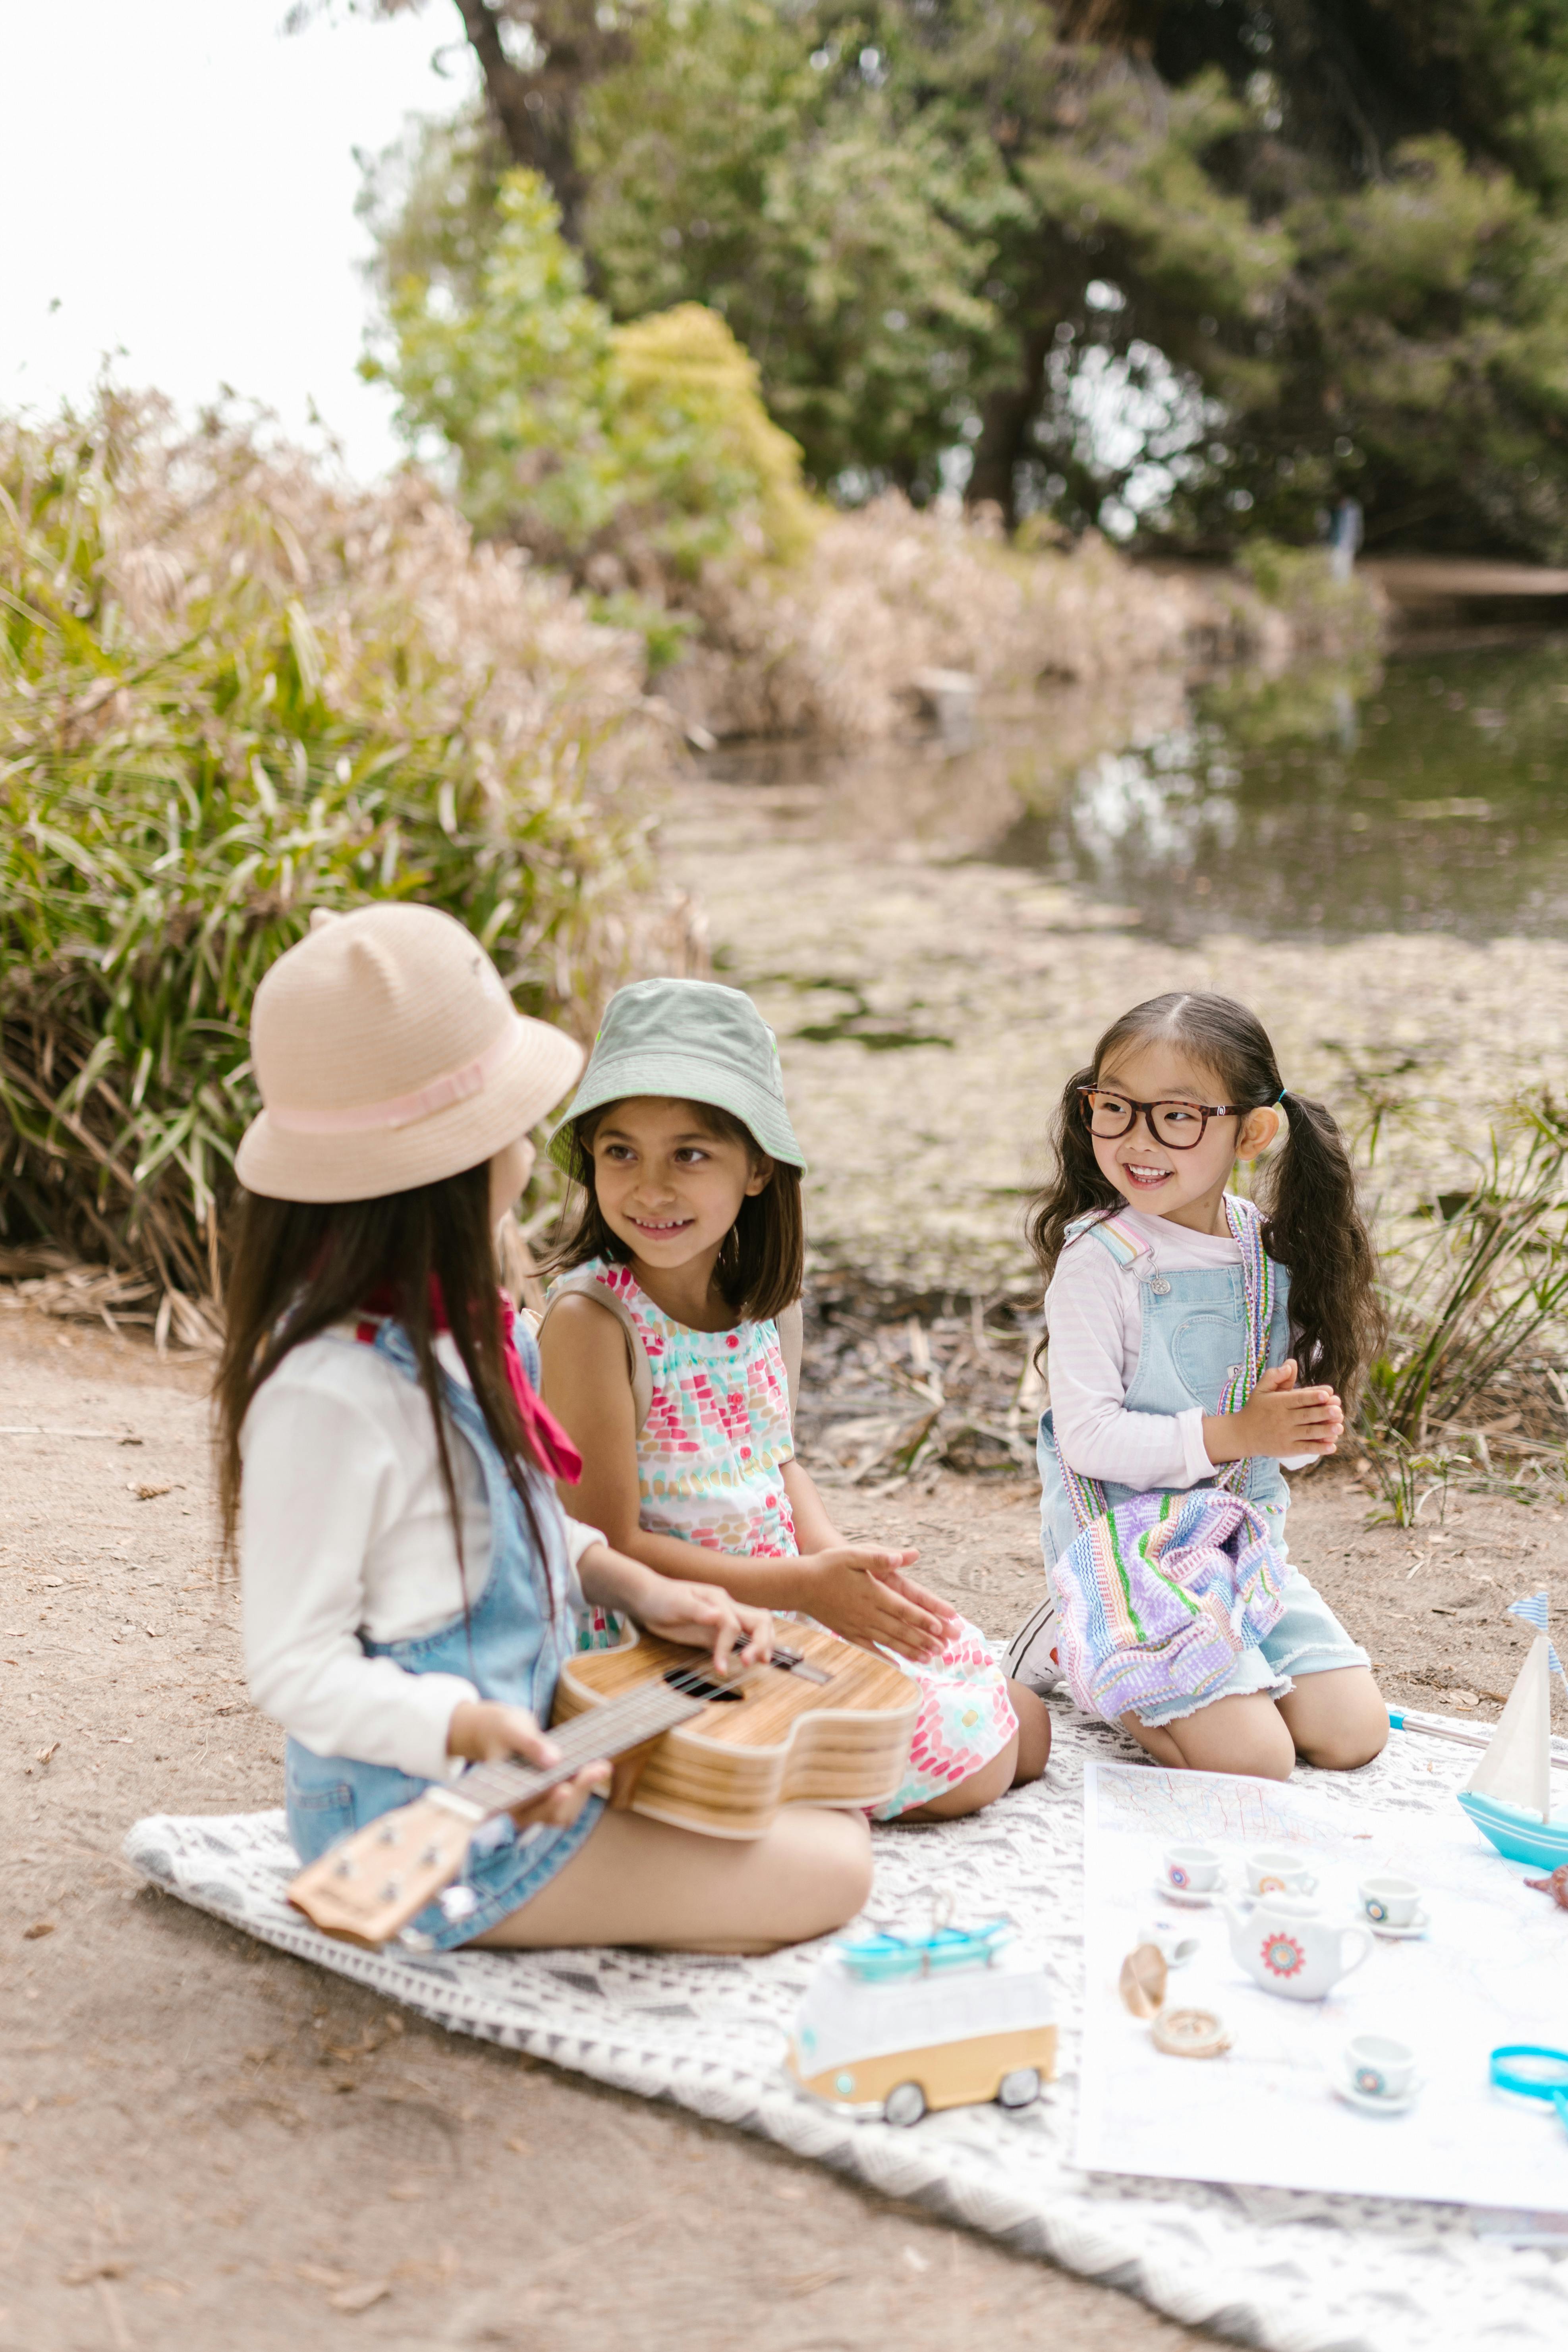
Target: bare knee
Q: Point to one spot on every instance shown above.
(1346, 1746)
(1338, 1721)
(993, 1780)
(1034, 1742)
(1245, 1735)
(834, 1879)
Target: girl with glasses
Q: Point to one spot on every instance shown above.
(1199, 1346)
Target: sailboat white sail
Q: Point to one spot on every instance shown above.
(1516, 1770)
(1509, 1796)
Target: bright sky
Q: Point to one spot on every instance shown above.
(179, 178)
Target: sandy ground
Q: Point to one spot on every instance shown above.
(203, 2142)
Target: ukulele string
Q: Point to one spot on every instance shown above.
(622, 1724)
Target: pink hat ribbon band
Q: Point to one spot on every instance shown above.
(403, 1110)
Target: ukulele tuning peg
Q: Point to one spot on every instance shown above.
(389, 1835)
(430, 1857)
(345, 1869)
(391, 1891)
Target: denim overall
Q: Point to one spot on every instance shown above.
(1194, 1337)
(511, 1649)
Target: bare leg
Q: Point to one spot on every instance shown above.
(1023, 1759)
(994, 1779)
(1337, 1719)
(1245, 1734)
(1033, 1733)
(639, 1881)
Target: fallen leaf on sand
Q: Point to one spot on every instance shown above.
(1464, 1698)
(43, 1754)
(39, 1927)
(145, 1492)
(808, 2281)
(360, 2298)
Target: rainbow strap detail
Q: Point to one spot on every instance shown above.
(1087, 1496)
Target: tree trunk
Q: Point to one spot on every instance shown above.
(1006, 417)
(535, 107)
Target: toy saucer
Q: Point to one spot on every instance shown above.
(1190, 1898)
(1418, 1927)
(1366, 2102)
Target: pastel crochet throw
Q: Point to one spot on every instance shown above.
(1159, 1596)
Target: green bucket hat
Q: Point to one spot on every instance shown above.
(691, 1039)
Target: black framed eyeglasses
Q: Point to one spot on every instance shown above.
(1179, 1126)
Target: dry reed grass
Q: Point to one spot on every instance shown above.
(233, 689)
(832, 645)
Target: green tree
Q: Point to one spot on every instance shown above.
(573, 434)
(1203, 263)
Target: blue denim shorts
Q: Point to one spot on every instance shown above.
(1308, 1640)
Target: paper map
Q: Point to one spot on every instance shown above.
(1492, 1968)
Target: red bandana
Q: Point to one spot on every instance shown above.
(552, 1447)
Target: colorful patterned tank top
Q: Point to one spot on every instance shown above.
(718, 1430)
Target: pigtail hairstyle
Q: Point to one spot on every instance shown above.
(1306, 1190)
(298, 1268)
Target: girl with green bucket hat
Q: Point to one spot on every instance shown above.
(669, 1345)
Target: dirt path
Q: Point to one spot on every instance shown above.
(203, 2142)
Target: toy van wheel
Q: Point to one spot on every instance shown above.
(905, 2104)
(1021, 2088)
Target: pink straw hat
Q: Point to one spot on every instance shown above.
(388, 1054)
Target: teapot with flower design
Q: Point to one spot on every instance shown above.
(1285, 1945)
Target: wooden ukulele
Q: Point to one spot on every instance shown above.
(820, 1723)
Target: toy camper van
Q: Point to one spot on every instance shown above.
(894, 2026)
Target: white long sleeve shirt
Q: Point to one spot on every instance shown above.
(345, 1529)
(1094, 1313)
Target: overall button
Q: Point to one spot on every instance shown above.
(1160, 1286)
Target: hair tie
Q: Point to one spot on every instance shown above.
(1279, 1098)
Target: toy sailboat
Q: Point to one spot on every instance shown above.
(1509, 1797)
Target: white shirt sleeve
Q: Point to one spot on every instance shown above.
(1087, 1311)
(582, 1538)
(323, 1477)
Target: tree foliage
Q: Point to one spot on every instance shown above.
(1206, 263)
(574, 433)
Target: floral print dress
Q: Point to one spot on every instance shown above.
(710, 1459)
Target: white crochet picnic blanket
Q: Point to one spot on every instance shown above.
(1278, 2268)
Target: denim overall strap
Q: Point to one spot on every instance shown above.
(521, 1627)
(1088, 1497)
(510, 1644)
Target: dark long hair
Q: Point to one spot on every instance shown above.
(297, 1269)
(1312, 1222)
(762, 1265)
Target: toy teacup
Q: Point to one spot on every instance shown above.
(1389, 1901)
(1278, 1872)
(1190, 1869)
(1379, 2067)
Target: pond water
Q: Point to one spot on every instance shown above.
(1429, 793)
(1435, 799)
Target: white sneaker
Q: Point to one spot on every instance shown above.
(1031, 1656)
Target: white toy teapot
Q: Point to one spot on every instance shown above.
(1286, 1946)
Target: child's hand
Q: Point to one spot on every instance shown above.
(861, 1593)
(706, 1616)
(485, 1732)
(1278, 1418)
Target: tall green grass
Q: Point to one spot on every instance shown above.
(1477, 1303)
(232, 691)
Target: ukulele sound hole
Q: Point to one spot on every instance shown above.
(699, 1685)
